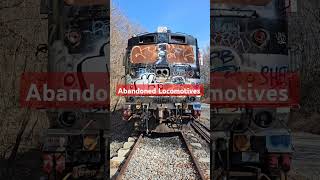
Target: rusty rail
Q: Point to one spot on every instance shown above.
(202, 130)
(195, 161)
(125, 165)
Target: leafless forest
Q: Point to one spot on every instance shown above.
(304, 43)
(121, 30)
(22, 31)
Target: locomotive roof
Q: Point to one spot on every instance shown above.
(162, 37)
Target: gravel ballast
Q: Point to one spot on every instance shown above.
(161, 158)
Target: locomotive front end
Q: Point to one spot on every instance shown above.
(162, 58)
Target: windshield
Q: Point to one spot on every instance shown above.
(145, 54)
(175, 53)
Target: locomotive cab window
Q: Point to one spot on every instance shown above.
(147, 39)
(144, 54)
(178, 39)
(184, 54)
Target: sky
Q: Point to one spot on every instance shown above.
(188, 16)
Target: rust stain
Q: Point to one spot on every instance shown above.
(177, 53)
(146, 54)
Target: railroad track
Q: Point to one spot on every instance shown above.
(202, 130)
(161, 156)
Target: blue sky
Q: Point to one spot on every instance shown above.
(187, 16)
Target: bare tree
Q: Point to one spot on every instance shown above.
(205, 72)
(304, 41)
(20, 35)
(121, 30)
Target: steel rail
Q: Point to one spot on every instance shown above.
(125, 165)
(195, 161)
(189, 148)
(202, 130)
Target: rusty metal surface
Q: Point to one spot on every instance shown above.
(183, 138)
(177, 53)
(125, 165)
(195, 161)
(146, 54)
(202, 130)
